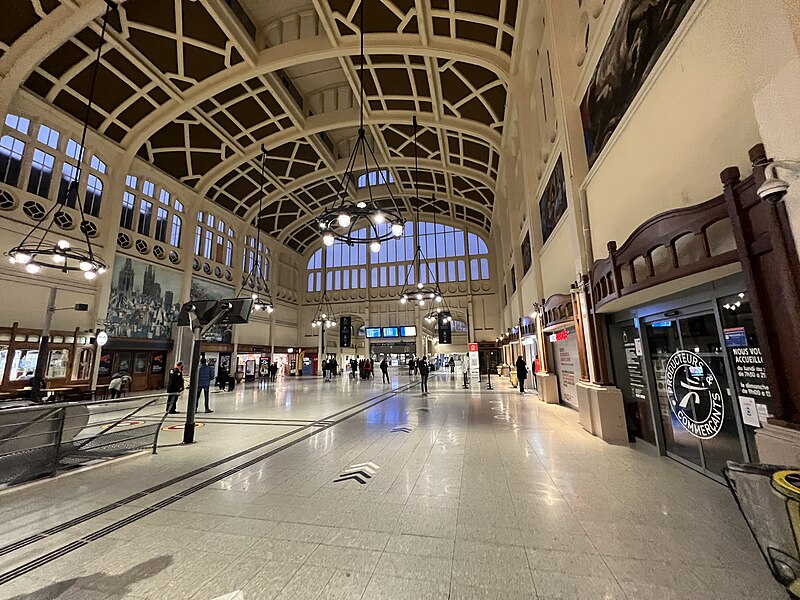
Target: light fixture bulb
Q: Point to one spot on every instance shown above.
(270, 308)
(419, 296)
(422, 302)
(403, 300)
(22, 258)
(324, 316)
(63, 244)
(322, 225)
(344, 220)
(90, 275)
(59, 259)
(101, 270)
(254, 296)
(438, 298)
(328, 239)
(379, 218)
(85, 265)
(360, 205)
(33, 268)
(419, 285)
(375, 246)
(397, 229)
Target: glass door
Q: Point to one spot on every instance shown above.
(699, 419)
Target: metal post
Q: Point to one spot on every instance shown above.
(59, 436)
(44, 347)
(489, 370)
(188, 431)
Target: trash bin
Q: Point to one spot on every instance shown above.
(769, 498)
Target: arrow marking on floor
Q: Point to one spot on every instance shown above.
(360, 473)
(403, 429)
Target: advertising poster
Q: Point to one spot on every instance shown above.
(567, 367)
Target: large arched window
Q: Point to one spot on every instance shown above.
(479, 257)
(447, 249)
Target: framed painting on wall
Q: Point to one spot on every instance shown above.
(637, 40)
(553, 203)
(526, 252)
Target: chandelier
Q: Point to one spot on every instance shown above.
(422, 293)
(256, 279)
(346, 218)
(37, 250)
(325, 316)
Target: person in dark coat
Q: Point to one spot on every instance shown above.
(452, 365)
(204, 376)
(273, 371)
(174, 388)
(424, 371)
(385, 370)
(522, 373)
(222, 378)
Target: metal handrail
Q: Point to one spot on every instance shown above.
(43, 438)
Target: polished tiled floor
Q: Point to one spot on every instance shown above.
(491, 495)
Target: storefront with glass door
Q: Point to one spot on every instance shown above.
(690, 370)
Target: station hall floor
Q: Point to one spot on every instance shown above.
(480, 494)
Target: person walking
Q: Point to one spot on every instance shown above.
(325, 372)
(424, 371)
(385, 370)
(273, 371)
(412, 366)
(452, 365)
(204, 376)
(174, 388)
(522, 373)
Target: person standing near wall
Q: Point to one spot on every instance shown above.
(204, 376)
(522, 373)
(424, 371)
(174, 388)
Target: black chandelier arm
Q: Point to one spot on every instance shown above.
(351, 163)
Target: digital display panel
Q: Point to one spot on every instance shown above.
(390, 332)
(408, 331)
(373, 332)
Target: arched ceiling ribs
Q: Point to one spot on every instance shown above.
(456, 130)
(404, 166)
(304, 52)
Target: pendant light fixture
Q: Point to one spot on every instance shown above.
(362, 220)
(255, 281)
(429, 293)
(37, 250)
(325, 316)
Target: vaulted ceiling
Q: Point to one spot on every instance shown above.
(197, 86)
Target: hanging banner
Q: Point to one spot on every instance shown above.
(474, 364)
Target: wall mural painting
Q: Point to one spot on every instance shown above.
(641, 32)
(208, 290)
(553, 203)
(145, 299)
(526, 253)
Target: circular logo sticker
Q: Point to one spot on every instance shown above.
(694, 394)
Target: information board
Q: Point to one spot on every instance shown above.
(474, 363)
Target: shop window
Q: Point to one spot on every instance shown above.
(23, 365)
(83, 366)
(58, 364)
(41, 173)
(11, 151)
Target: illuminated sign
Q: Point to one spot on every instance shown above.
(661, 324)
(408, 331)
(102, 338)
(560, 336)
(390, 332)
(373, 332)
